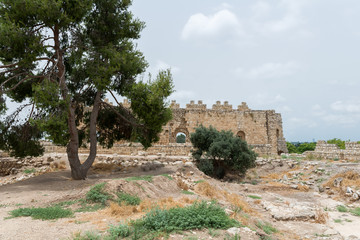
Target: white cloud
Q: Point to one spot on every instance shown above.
(269, 70)
(291, 15)
(160, 65)
(302, 122)
(223, 22)
(348, 106)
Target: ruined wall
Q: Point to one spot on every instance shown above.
(260, 128)
(326, 150)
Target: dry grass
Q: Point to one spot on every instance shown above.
(181, 184)
(238, 201)
(321, 216)
(350, 178)
(103, 167)
(58, 166)
(257, 201)
(205, 189)
(124, 211)
(303, 188)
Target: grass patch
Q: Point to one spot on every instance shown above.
(337, 220)
(66, 203)
(254, 197)
(87, 236)
(355, 211)
(167, 175)
(342, 208)
(48, 213)
(128, 199)
(197, 216)
(187, 192)
(29, 170)
(97, 194)
(148, 178)
(266, 227)
(85, 207)
(199, 181)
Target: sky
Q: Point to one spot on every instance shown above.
(298, 57)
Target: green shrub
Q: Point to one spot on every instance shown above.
(340, 143)
(254, 197)
(29, 170)
(341, 208)
(197, 216)
(206, 166)
(87, 236)
(42, 213)
(355, 211)
(266, 227)
(187, 192)
(181, 138)
(97, 194)
(217, 152)
(119, 231)
(128, 199)
(137, 178)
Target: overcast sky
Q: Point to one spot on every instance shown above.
(298, 57)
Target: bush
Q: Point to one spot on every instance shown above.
(197, 216)
(128, 199)
(121, 231)
(97, 194)
(216, 152)
(42, 213)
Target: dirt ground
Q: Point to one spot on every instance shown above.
(266, 195)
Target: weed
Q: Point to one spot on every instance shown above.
(80, 222)
(97, 194)
(187, 192)
(66, 203)
(355, 211)
(196, 216)
(90, 207)
(254, 197)
(341, 208)
(213, 232)
(3, 205)
(18, 204)
(191, 238)
(181, 184)
(266, 227)
(87, 236)
(29, 170)
(120, 230)
(321, 216)
(42, 213)
(348, 220)
(148, 178)
(199, 181)
(337, 220)
(128, 199)
(167, 175)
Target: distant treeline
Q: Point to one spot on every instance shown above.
(300, 147)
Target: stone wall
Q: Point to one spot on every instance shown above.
(326, 150)
(260, 128)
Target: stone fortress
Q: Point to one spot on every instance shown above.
(261, 129)
(324, 150)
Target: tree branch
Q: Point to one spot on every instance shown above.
(107, 105)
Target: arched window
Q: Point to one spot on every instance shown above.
(241, 135)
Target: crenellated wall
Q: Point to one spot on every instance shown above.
(326, 150)
(262, 129)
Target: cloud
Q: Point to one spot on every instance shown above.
(291, 16)
(269, 70)
(223, 22)
(160, 65)
(348, 106)
(302, 122)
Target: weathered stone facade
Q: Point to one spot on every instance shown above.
(262, 129)
(326, 150)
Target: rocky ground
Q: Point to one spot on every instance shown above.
(299, 198)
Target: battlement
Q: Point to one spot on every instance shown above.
(193, 105)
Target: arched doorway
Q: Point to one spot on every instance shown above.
(180, 137)
(241, 135)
